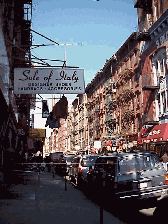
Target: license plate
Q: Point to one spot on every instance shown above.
(143, 185)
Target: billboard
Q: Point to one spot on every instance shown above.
(48, 81)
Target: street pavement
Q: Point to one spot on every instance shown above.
(42, 199)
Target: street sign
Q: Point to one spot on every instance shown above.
(48, 81)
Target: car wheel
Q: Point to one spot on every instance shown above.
(76, 181)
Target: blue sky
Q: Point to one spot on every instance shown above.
(101, 26)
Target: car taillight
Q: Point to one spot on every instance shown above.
(80, 171)
(166, 179)
(115, 185)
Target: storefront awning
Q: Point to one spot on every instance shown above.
(157, 133)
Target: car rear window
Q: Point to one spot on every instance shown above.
(127, 165)
(108, 164)
(89, 161)
(146, 162)
(138, 163)
(69, 158)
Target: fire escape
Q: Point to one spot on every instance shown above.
(22, 58)
(124, 97)
(145, 22)
(111, 105)
(90, 116)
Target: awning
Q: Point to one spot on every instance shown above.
(157, 133)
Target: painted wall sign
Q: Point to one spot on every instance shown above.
(48, 81)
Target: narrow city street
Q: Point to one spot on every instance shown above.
(40, 198)
(84, 93)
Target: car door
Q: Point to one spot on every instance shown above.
(126, 173)
(75, 166)
(153, 170)
(71, 167)
(92, 174)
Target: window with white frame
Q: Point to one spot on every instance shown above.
(163, 102)
(159, 63)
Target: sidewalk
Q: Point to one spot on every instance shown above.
(42, 199)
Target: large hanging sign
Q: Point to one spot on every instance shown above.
(48, 81)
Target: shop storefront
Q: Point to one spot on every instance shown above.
(154, 138)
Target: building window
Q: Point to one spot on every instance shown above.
(161, 7)
(163, 106)
(162, 66)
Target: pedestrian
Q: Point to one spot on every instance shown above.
(164, 160)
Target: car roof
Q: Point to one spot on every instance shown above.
(126, 154)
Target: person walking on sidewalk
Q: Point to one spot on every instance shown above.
(164, 159)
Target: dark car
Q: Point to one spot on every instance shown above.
(137, 176)
(61, 166)
(87, 164)
(75, 170)
(68, 159)
(79, 168)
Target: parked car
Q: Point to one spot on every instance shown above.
(42, 166)
(79, 168)
(137, 177)
(87, 164)
(75, 170)
(68, 160)
(61, 166)
(34, 167)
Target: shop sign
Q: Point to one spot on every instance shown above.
(97, 144)
(155, 132)
(37, 133)
(48, 81)
(162, 39)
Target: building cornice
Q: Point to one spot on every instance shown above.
(159, 22)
